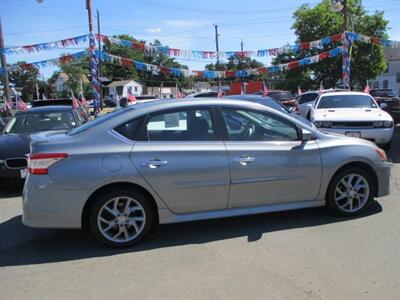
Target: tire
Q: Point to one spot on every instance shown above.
(344, 205)
(386, 146)
(128, 224)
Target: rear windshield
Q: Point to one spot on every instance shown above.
(274, 105)
(100, 120)
(36, 122)
(305, 98)
(347, 101)
(280, 96)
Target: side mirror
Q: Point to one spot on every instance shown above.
(383, 105)
(306, 135)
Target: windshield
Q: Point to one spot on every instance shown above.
(281, 95)
(387, 93)
(347, 101)
(44, 121)
(100, 120)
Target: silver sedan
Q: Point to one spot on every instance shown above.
(183, 160)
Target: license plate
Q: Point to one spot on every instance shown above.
(355, 134)
(23, 173)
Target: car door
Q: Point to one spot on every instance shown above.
(269, 163)
(184, 161)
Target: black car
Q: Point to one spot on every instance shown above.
(389, 101)
(284, 97)
(66, 102)
(15, 138)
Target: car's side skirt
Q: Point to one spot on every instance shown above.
(166, 216)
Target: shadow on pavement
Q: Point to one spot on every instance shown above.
(11, 189)
(21, 245)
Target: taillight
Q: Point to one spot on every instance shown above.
(39, 163)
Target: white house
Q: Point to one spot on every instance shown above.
(62, 78)
(390, 79)
(121, 88)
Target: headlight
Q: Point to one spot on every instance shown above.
(378, 124)
(387, 124)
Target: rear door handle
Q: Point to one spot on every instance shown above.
(244, 160)
(154, 163)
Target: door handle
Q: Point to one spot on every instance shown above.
(154, 163)
(244, 160)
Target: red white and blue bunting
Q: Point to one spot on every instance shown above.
(156, 69)
(46, 46)
(47, 63)
(357, 37)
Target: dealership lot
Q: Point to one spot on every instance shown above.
(300, 254)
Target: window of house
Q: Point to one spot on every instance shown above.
(375, 84)
(385, 84)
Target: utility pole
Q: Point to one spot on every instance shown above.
(217, 48)
(99, 70)
(4, 66)
(241, 46)
(345, 16)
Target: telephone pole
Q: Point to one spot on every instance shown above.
(241, 46)
(6, 85)
(217, 48)
(345, 16)
(99, 70)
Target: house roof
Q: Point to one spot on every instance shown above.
(122, 83)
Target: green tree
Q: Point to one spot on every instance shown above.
(25, 78)
(312, 23)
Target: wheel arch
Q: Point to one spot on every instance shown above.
(362, 165)
(114, 186)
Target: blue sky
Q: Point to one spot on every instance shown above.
(179, 24)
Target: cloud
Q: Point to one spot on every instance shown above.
(183, 23)
(153, 30)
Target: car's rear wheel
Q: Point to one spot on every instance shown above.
(121, 218)
(350, 191)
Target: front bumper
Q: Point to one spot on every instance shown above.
(376, 135)
(383, 175)
(45, 206)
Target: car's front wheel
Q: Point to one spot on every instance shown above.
(351, 190)
(121, 218)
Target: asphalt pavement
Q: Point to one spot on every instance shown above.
(305, 254)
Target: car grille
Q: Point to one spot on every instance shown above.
(352, 124)
(16, 163)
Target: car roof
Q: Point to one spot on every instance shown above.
(344, 93)
(50, 108)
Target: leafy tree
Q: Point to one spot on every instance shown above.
(312, 23)
(25, 78)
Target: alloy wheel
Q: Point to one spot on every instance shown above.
(121, 219)
(352, 193)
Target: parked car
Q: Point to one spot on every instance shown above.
(210, 94)
(15, 139)
(176, 161)
(69, 102)
(306, 101)
(389, 101)
(286, 98)
(110, 102)
(354, 114)
(269, 102)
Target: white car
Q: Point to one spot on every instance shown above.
(353, 114)
(306, 101)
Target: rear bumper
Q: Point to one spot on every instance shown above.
(45, 206)
(376, 135)
(383, 173)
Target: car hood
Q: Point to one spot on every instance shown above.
(351, 114)
(14, 145)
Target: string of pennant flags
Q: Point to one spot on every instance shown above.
(158, 69)
(175, 52)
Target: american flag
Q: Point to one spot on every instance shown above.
(131, 97)
(321, 88)
(265, 90)
(220, 93)
(75, 103)
(21, 105)
(299, 92)
(179, 94)
(366, 89)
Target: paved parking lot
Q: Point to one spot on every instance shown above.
(305, 254)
